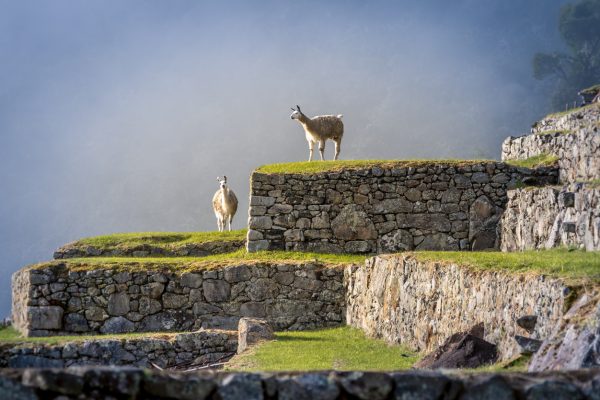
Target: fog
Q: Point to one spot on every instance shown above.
(118, 116)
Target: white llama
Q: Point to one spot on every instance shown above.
(224, 204)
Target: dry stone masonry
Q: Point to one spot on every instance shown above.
(166, 351)
(52, 299)
(544, 218)
(420, 304)
(437, 206)
(132, 383)
(573, 137)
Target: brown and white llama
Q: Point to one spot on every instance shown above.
(319, 129)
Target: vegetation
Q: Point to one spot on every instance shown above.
(541, 160)
(341, 348)
(579, 26)
(166, 240)
(184, 264)
(574, 264)
(9, 335)
(570, 111)
(555, 131)
(306, 167)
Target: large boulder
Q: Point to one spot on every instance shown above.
(252, 331)
(352, 223)
(461, 350)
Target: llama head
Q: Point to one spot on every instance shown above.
(222, 182)
(296, 113)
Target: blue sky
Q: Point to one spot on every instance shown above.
(118, 115)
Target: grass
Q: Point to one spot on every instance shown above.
(9, 335)
(306, 167)
(185, 264)
(592, 89)
(541, 160)
(159, 239)
(573, 264)
(343, 348)
(572, 110)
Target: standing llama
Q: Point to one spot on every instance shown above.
(319, 129)
(224, 204)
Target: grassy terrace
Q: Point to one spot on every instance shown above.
(542, 160)
(167, 240)
(306, 167)
(563, 263)
(342, 348)
(9, 336)
(184, 264)
(572, 110)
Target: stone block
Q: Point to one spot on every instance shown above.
(216, 290)
(45, 317)
(252, 331)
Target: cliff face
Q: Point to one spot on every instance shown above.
(420, 304)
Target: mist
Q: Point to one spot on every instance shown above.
(118, 116)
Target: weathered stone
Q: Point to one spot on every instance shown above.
(45, 317)
(438, 241)
(527, 322)
(367, 385)
(95, 314)
(357, 246)
(118, 304)
(483, 221)
(308, 387)
(353, 224)
(216, 291)
(555, 390)
(76, 323)
(12, 389)
(398, 240)
(494, 387)
(261, 289)
(436, 222)
(528, 345)
(252, 331)
(191, 280)
(54, 381)
(153, 289)
(117, 325)
(259, 223)
(189, 388)
(393, 206)
(171, 300)
(419, 386)
(149, 306)
(241, 386)
(237, 274)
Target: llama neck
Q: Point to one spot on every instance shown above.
(225, 197)
(304, 120)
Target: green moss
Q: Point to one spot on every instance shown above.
(306, 167)
(592, 89)
(541, 160)
(341, 348)
(9, 335)
(185, 264)
(167, 240)
(573, 264)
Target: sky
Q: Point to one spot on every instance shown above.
(118, 116)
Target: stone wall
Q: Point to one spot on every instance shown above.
(441, 206)
(52, 299)
(420, 304)
(543, 218)
(166, 351)
(573, 137)
(76, 249)
(131, 383)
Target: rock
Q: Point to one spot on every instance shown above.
(240, 386)
(483, 222)
(118, 304)
(366, 385)
(149, 306)
(252, 331)
(308, 386)
(357, 246)
(57, 381)
(353, 224)
(260, 223)
(528, 345)
(236, 274)
(76, 323)
(216, 291)
(527, 322)
(153, 290)
(117, 325)
(262, 289)
(495, 388)
(162, 321)
(422, 386)
(11, 389)
(45, 317)
(554, 390)
(30, 361)
(191, 280)
(393, 206)
(123, 381)
(395, 241)
(438, 241)
(221, 322)
(172, 300)
(461, 350)
(189, 387)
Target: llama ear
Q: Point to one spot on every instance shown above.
(298, 107)
(292, 108)
(225, 178)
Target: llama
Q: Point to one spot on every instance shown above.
(319, 129)
(224, 204)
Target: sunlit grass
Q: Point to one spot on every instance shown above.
(541, 160)
(184, 264)
(343, 348)
(305, 167)
(565, 263)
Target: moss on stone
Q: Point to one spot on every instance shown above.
(541, 160)
(306, 167)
